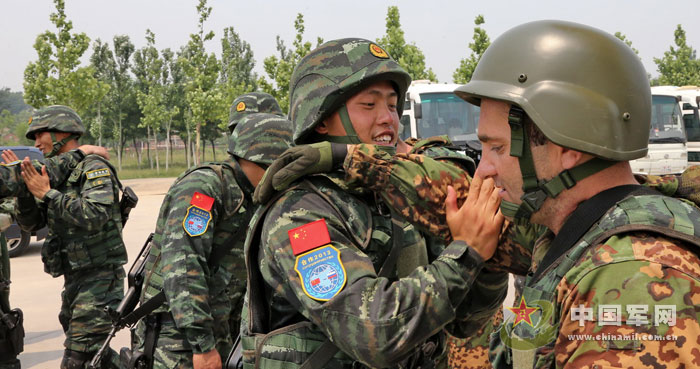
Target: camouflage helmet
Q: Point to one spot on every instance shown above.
(582, 87)
(332, 73)
(253, 102)
(260, 138)
(55, 118)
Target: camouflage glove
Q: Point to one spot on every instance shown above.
(297, 162)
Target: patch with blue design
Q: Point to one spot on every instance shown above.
(322, 273)
(196, 221)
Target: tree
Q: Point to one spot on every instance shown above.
(123, 96)
(56, 77)
(237, 76)
(279, 70)
(102, 62)
(679, 66)
(628, 42)
(409, 56)
(174, 97)
(480, 42)
(202, 71)
(12, 101)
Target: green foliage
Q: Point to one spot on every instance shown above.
(409, 56)
(12, 101)
(56, 77)
(279, 69)
(237, 76)
(13, 127)
(627, 41)
(679, 66)
(479, 45)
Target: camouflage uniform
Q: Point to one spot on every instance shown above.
(8, 360)
(202, 271)
(84, 243)
(251, 103)
(377, 318)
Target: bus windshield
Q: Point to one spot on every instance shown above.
(666, 120)
(446, 114)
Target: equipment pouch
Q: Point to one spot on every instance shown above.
(51, 256)
(12, 324)
(129, 359)
(127, 202)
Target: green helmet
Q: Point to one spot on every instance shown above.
(56, 118)
(253, 102)
(332, 73)
(582, 87)
(260, 138)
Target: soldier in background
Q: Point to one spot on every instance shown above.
(196, 256)
(81, 208)
(251, 103)
(10, 320)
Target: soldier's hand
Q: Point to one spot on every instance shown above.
(296, 163)
(8, 156)
(207, 360)
(478, 222)
(96, 150)
(37, 183)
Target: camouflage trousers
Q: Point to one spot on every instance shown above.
(473, 352)
(172, 350)
(83, 300)
(5, 362)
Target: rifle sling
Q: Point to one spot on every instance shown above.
(582, 219)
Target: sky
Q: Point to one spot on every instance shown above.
(441, 29)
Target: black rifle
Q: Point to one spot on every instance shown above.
(120, 316)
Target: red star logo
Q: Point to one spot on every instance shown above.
(523, 312)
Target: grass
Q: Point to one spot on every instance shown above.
(178, 164)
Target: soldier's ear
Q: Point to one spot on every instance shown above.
(322, 127)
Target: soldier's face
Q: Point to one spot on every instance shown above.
(496, 162)
(43, 142)
(373, 115)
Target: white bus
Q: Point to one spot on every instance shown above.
(432, 109)
(668, 153)
(690, 102)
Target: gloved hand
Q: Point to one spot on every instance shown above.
(297, 162)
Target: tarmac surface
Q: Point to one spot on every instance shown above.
(39, 295)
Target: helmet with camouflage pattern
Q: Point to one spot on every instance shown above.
(582, 87)
(332, 73)
(253, 102)
(260, 138)
(55, 118)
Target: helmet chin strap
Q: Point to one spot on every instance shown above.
(57, 145)
(351, 136)
(536, 190)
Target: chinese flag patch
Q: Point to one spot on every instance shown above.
(309, 236)
(202, 201)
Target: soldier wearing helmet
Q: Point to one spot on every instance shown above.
(251, 103)
(564, 107)
(337, 279)
(79, 202)
(196, 254)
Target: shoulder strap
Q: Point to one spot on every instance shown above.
(582, 219)
(146, 308)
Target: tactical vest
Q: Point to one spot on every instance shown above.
(292, 346)
(671, 218)
(68, 248)
(222, 233)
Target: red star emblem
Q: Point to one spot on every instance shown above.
(523, 312)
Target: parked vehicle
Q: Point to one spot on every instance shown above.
(668, 152)
(17, 239)
(690, 103)
(432, 109)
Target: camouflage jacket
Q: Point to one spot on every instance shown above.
(626, 295)
(83, 217)
(296, 302)
(416, 186)
(200, 291)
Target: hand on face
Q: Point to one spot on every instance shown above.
(478, 222)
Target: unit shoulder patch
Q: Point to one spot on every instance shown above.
(196, 221)
(321, 272)
(103, 172)
(11, 164)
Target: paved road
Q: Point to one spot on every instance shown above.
(38, 294)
